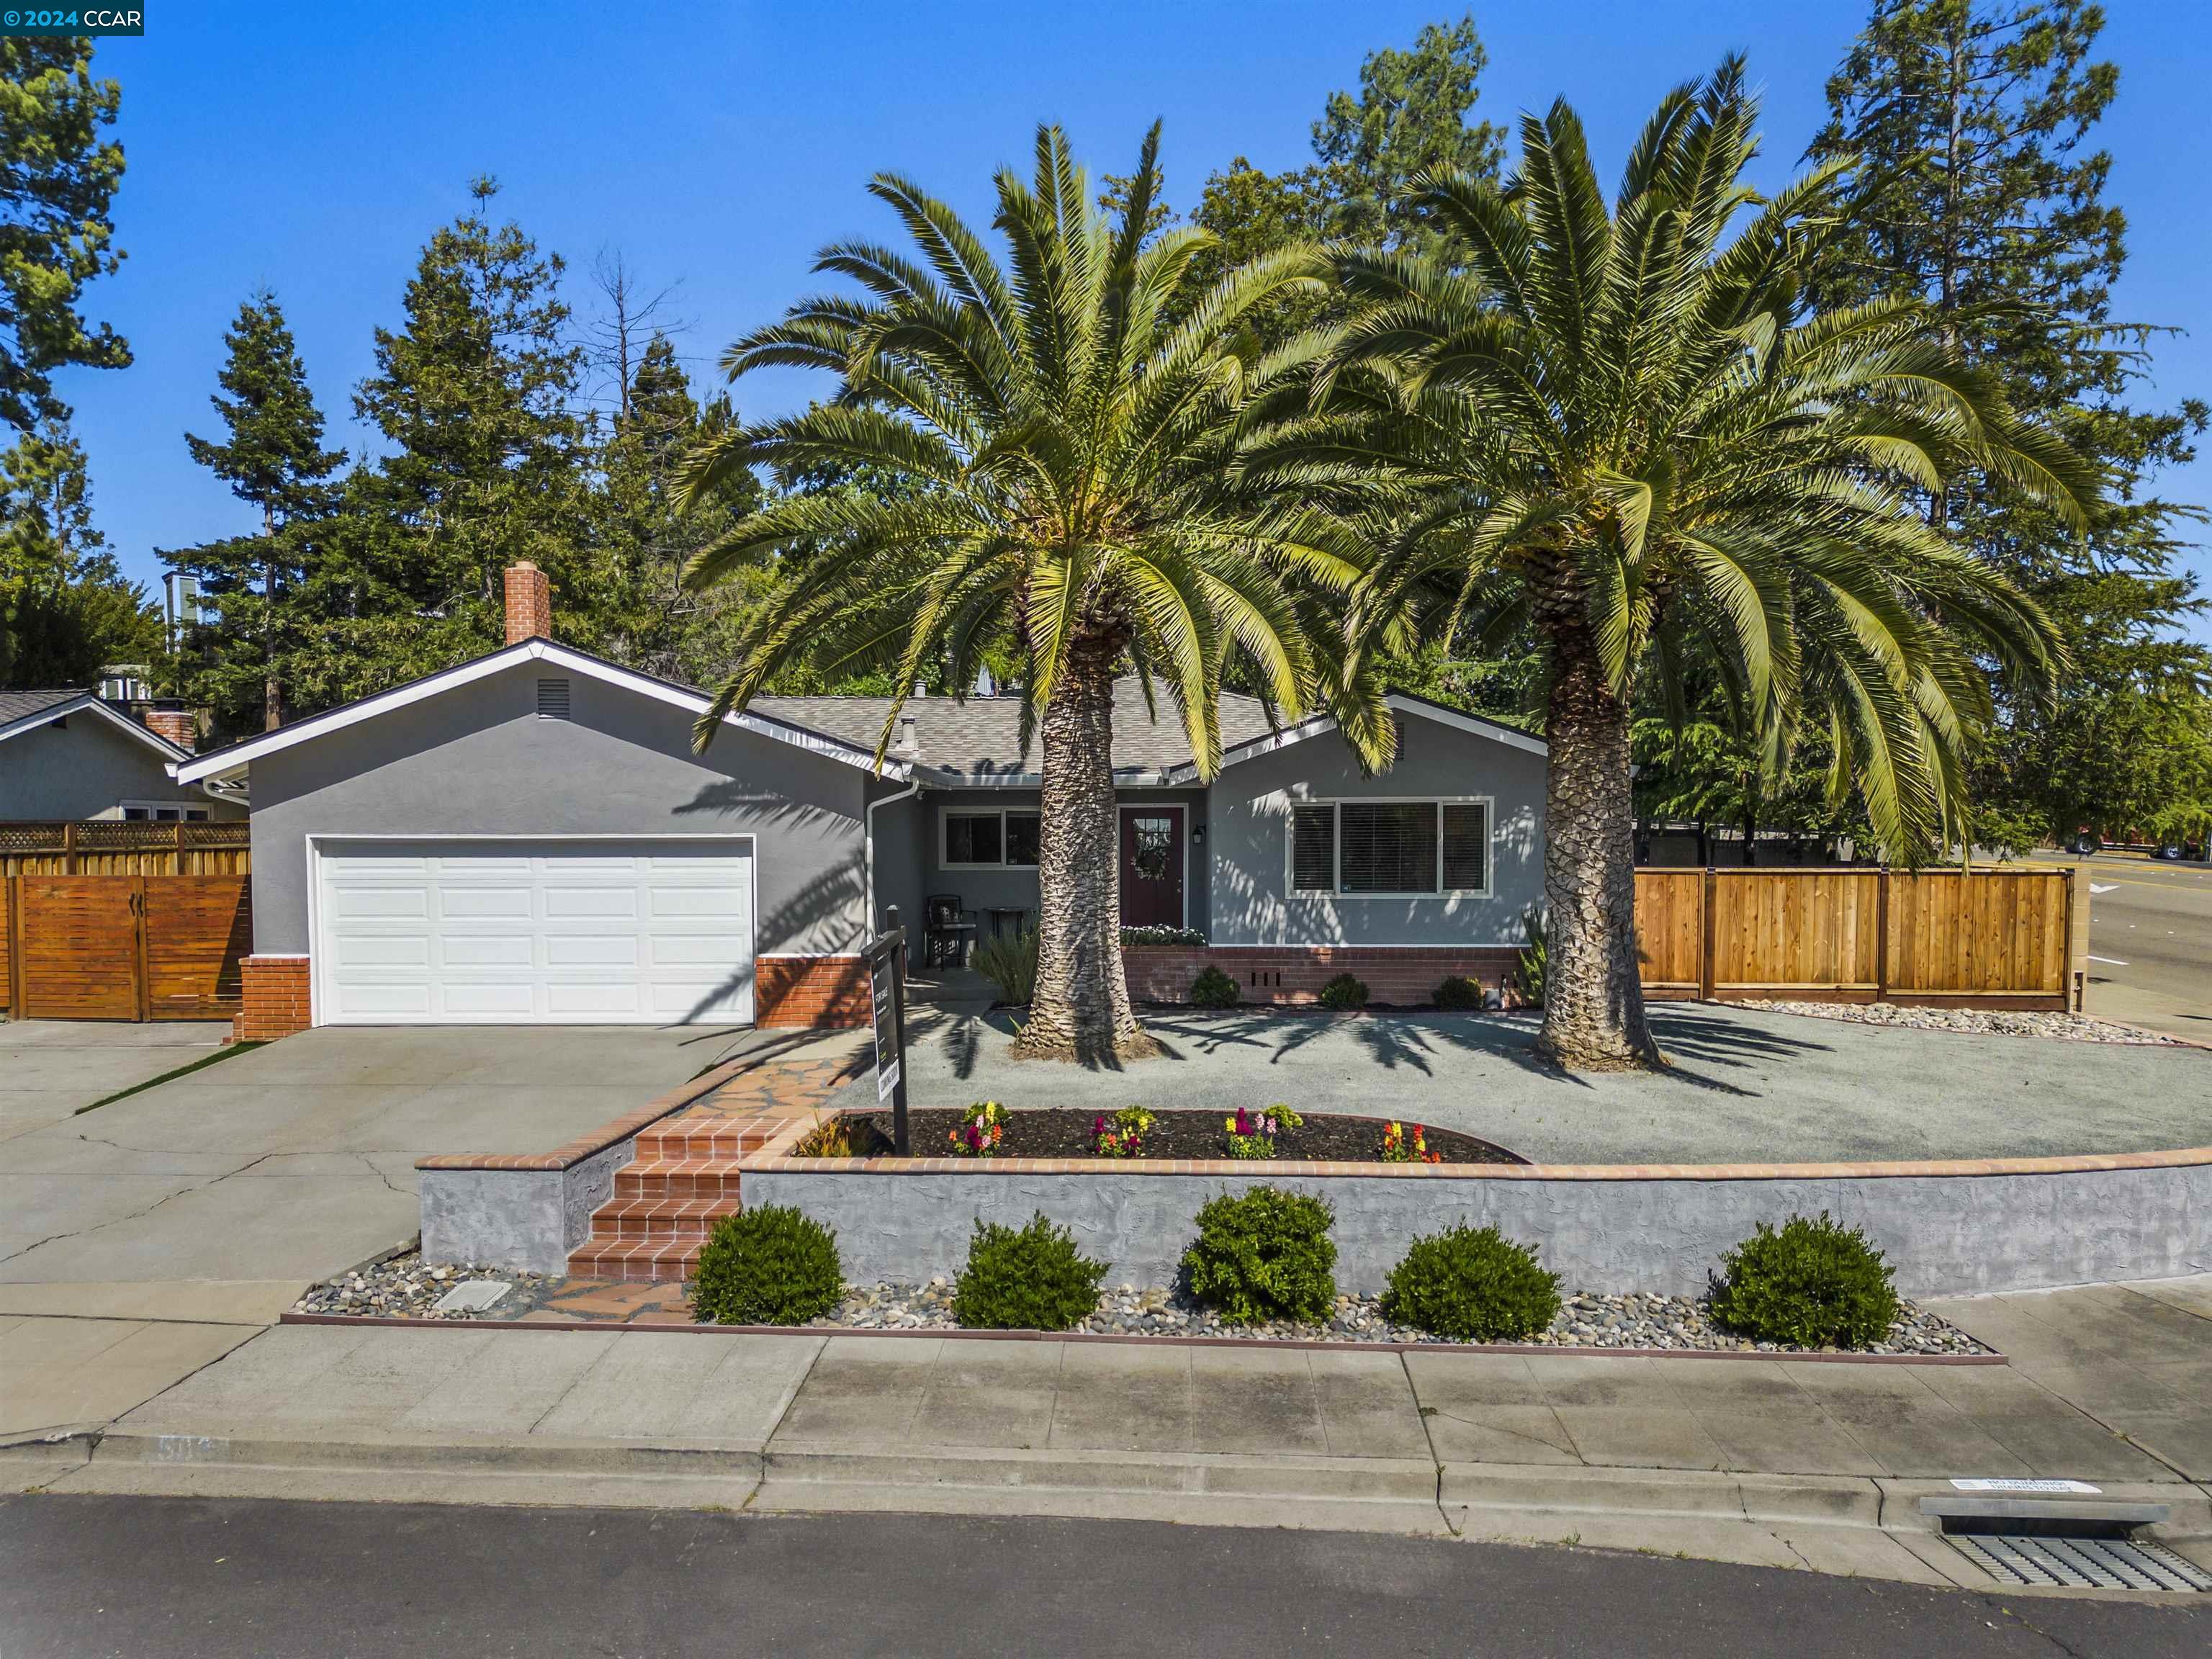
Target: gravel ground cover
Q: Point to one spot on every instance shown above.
(1048, 1131)
(403, 1288)
(1984, 1022)
(1584, 1321)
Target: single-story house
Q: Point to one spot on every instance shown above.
(72, 755)
(530, 837)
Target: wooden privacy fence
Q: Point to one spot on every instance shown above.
(117, 846)
(1991, 938)
(123, 946)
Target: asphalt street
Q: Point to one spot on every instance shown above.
(2150, 943)
(187, 1578)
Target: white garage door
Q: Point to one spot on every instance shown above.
(507, 933)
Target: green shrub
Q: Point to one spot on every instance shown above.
(1472, 1284)
(770, 1265)
(1530, 967)
(1031, 1281)
(1156, 935)
(1814, 1283)
(1344, 993)
(1265, 1255)
(1214, 989)
(1457, 991)
(1009, 961)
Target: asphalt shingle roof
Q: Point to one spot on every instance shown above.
(21, 705)
(982, 735)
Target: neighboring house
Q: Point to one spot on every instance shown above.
(530, 837)
(73, 754)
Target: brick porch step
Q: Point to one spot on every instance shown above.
(683, 1179)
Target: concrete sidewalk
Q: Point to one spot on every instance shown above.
(1787, 1462)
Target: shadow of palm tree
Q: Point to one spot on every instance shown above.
(1709, 1038)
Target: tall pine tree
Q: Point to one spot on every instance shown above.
(65, 610)
(272, 458)
(1982, 195)
(475, 394)
(58, 172)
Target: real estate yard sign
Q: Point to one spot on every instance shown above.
(886, 958)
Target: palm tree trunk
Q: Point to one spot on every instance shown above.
(1593, 997)
(1081, 1009)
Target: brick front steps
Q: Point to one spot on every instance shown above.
(684, 1181)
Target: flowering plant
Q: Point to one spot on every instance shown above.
(1253, 1135)
(1123, 1134)
(982, 1126)
(1400, 1147)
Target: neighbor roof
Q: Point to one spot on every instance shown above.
(32, 711)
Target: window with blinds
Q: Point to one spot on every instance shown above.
(1389, 848)
(1467, 846)
(1313, 847)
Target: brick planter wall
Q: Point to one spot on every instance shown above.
(274, 999)
(816, 991)
(1404, 976)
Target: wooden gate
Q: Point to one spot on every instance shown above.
(124, 947)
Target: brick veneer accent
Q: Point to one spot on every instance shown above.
(817, 991)
(275, 1002)
(529, 604)
(1402, 975)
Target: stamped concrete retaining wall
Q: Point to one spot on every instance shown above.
(1948, 1230)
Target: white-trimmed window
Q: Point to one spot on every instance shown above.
(1388, 848)
(141, 811)
(988, 838)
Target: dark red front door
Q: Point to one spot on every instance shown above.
(1151, 866)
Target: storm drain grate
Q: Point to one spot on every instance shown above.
(2081, 1563)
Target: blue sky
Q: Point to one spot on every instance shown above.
(315, 155)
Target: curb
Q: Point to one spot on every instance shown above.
(1530, 1350)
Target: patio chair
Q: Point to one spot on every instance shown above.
(948, 930)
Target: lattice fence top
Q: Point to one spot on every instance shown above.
(119, 835)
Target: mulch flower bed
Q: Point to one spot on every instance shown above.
(1066, 1132)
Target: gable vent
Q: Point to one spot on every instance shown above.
(553, 700)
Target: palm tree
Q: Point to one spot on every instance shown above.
(1634, 438)
(1041, 462)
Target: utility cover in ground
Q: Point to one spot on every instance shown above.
(473, 1295)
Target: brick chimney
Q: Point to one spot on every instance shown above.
(172, 720)
(529, 604)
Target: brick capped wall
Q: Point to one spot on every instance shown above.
(1403, 976)
(823, 991)
(274, 999)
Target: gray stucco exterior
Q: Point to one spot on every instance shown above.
(87, 768)
(480, 761)
(1249, 813)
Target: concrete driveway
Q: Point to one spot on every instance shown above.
(142, 1241)
(292, 1161)
(50, 1067)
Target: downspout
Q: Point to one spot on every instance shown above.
(868, 849)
